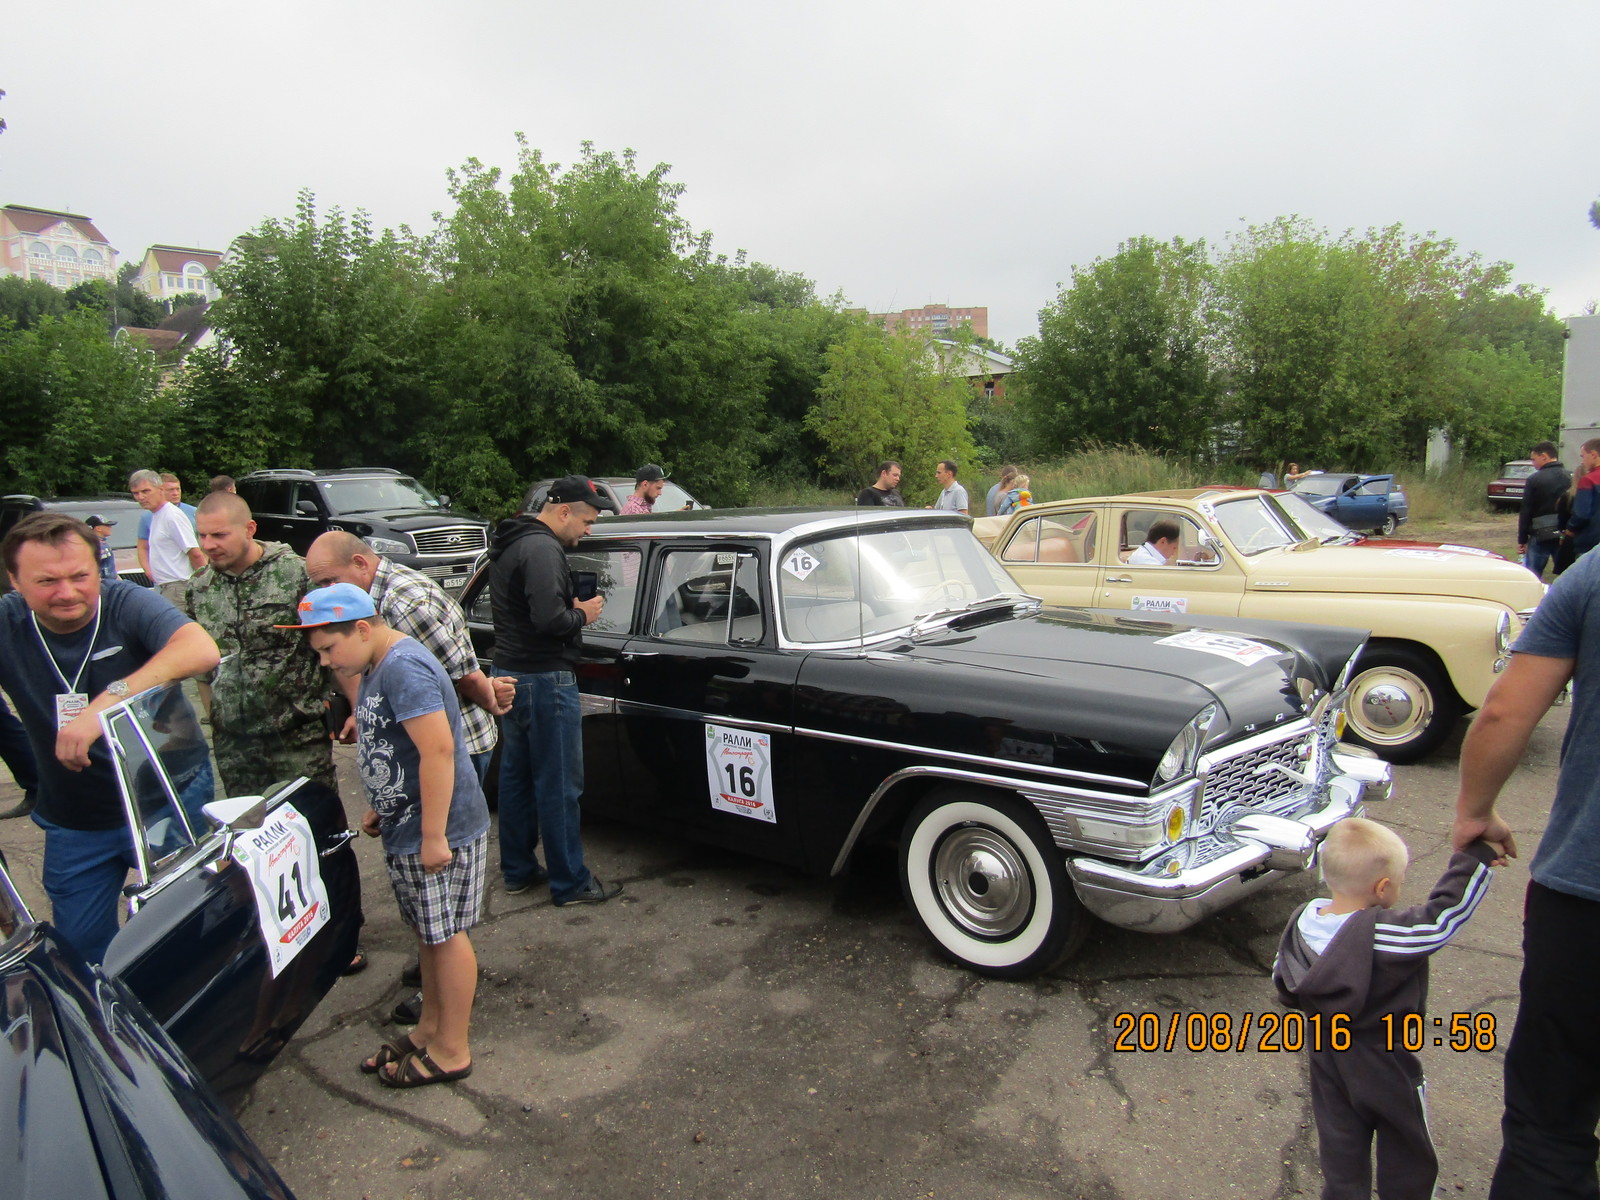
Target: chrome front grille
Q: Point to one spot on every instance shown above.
(454, 540)
(1249, 779)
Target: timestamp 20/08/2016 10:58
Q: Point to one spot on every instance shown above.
(1291, 1032)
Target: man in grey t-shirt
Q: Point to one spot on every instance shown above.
(952, 496)
(1552, 1071)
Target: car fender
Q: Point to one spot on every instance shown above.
(1459, 631)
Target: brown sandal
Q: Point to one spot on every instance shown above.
(391, 1051)
(408, 1072)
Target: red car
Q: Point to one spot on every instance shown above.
(1506, 492)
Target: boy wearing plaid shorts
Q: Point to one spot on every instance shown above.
(426, 803)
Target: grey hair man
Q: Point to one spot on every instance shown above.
(172, 551)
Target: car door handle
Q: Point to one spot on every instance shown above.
(1119, 578)
(338, 840)
(641, 654)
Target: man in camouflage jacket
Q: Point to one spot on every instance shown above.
(268, 701)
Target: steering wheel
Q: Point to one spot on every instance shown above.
(951, 591)
(1260, 539)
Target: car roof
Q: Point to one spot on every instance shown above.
(765, 522)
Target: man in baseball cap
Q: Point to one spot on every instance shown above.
(648, 481)
(538, 632)
(107, 557)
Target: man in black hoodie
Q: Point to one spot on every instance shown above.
(538, 630)
(1362, 966)
(1543, 504)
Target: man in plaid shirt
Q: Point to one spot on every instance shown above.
(409, 601)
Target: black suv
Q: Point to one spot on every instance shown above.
(396, 515)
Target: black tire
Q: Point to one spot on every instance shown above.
(1401, 703)
(988, 886)
(1390, 524)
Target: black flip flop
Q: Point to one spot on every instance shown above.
(407, 1074)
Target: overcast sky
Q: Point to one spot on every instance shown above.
(905, 154)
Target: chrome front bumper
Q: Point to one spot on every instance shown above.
(1201, 876)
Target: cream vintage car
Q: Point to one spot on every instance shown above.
(1442, 620)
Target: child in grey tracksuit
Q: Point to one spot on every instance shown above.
(1357, 957)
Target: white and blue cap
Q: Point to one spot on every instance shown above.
(332, 604)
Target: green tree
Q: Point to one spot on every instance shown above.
(582, 325)
(24, 301)
(320, 315)
(1121, 354)
(885, 395)
(81, 411)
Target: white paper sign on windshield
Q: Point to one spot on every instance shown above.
(1433, 554)
(1161, 604)
(801, 563)
(739, 768)
(1223, 645)
(291, 902)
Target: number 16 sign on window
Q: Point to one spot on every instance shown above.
(291, 903)
(739, 767)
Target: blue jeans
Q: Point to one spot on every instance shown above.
(541, 779)
(1540, 553)
(84, 870)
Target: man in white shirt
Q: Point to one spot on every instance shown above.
(953, 497)
(1160, 547)
(175, 552)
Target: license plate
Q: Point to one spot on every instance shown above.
(453, 581)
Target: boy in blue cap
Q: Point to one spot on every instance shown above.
(426, 803)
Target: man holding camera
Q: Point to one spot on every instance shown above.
(538, 633)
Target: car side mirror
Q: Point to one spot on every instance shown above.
(305, 508)
(444, 500)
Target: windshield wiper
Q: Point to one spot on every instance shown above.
(943, 616)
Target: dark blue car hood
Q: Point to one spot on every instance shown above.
(96, 1101)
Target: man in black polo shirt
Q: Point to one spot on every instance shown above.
(538, 630)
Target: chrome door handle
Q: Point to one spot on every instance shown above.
(1119, 578)
(338, 840)
(641, 654)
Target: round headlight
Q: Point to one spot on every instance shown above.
(1171, 764)
(1502, 635)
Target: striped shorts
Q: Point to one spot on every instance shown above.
(441, 905)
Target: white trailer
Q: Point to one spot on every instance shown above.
(1580, 387)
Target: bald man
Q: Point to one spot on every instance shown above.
(409, 601)
(268, 700)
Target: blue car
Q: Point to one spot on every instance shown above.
(1375, 502)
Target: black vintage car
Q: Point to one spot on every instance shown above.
(115, 1079)
(793, 684)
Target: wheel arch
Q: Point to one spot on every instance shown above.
(892, 800)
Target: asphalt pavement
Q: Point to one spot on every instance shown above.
(730, 1028)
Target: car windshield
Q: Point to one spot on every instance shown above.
(846, 588)
(1321, 485)
(1311, 520)
(1252, 525)
(672, 499)
(1518, 470)
(370, 493)
(124, 534)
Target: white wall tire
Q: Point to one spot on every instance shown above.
(987, 885)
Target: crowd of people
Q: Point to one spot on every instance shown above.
(278, 643)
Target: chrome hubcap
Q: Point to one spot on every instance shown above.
(1389, 705)
(983, 882)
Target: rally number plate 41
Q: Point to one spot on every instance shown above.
(291, 901)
